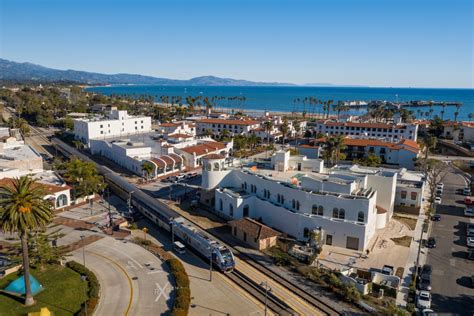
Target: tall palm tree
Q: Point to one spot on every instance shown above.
(430, 143)
(268, 128)
(24, 209)
(284, 128)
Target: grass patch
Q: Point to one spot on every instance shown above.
(63, 292)
(410, 222)
(404, 241)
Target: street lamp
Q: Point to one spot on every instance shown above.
(267, 289)
(83, 250)
(84, 279)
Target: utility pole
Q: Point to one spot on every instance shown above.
(111, 222)
(265, 285)
(419, 251)
(210, 264)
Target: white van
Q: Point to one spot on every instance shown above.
(179, 247)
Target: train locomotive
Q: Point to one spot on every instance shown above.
(161, 214)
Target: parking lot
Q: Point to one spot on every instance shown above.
(451, 288)
(172, 189)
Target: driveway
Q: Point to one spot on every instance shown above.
(132, 280)
(451, 293)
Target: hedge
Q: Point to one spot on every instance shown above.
(183, 292)
(93, 287)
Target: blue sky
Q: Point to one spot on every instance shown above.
(417, 43)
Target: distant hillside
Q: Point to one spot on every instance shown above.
(10, 70)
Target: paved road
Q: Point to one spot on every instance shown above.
(133, 281)
(219, 297)
(450, 266)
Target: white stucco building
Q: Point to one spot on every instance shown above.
(166, 157)
(459, 131)
(234, 126)
(299, 196)
(116, 124)
(391, 132)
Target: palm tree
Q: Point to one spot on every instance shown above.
(24, 209)
(147, 168)
(284, 128)
(430, 143)
(268, 128)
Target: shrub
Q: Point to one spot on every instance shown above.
(183, 293)
(350, 293)
(93, 287)
(133, 226)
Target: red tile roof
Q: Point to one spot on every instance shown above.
(254, 228)
(406, 144)
(176, 158)
(170, 125)
(204, 148)
(214, 156)
(48, 188)
(167, 159)
(228, 122)
(158, 162)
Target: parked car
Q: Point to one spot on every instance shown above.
(431, 243)
(470, 242)
(468, 200)
(437, 200)
(388, 270)
(469, 212)
(424, 284)
(470, 230)
(191, 175)
(440, 186)
(423, 301)
(436, 218)
(439, 192)
(426, 270)
(428, 312)
(466, 191)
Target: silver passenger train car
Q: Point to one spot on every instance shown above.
(160, 214)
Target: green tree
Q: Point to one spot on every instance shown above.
(41, 249)
(429, 143)
(268, 125)
(147, 169)
(83, 177)
(23, 210)
(284, 128)
(370, 161)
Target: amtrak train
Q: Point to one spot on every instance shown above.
(160, 214)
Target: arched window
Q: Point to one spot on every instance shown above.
(342, 213)
(221, 205)
(314, 210)
(216, 166)
(61, 200)
(209, 167)
(320, 210)
(231, 210)
(335, 212)
(360, 217)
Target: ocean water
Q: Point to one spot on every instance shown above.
(280, 99)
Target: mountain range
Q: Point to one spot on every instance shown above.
(14, 71)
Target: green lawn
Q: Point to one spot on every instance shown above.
(63, 292)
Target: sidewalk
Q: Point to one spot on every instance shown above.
(410, 265)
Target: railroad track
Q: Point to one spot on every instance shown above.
(273, 303)
(319, 304)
